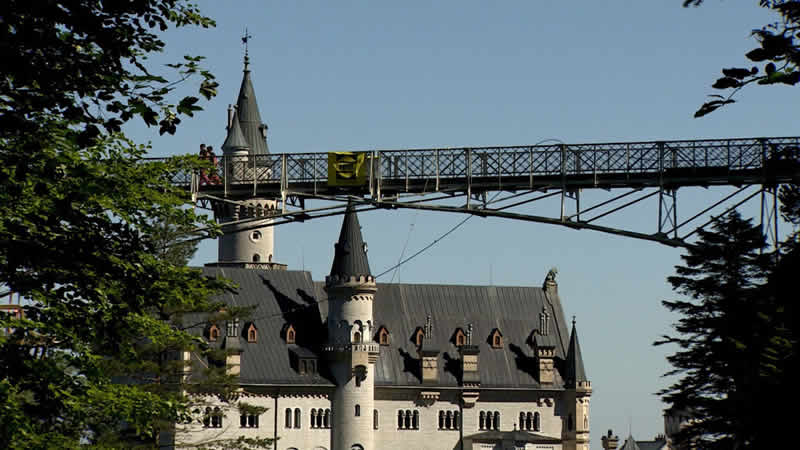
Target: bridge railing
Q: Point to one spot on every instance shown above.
(638, 158)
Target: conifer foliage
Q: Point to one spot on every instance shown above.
(733, 340)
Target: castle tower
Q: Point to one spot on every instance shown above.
(250, 244)
(578, 391)
(350, 349)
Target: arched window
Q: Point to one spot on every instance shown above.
(327, 421)
(213, 332)
(358, 410)
(207, 418)
(319, 419)
(415, 421)
(489, 417)
(529, 421)
(216, 418)
(407, 421)
(313, 417)
(456, 421)
(496, 420)
(448, 420)
(441, 419)
(252, 421)
(288, 420)
(482, 422)
(252, 333)
(400, 419)
(290, 334)
(419, 335)
(357, 337)
(243, 421)
(536, 422)
(256, 257)
(297, 417)
(383, 336)
(522, 421)
(356, 447)
(496, 338)
(375, 419)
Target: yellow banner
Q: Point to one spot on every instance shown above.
(347, 168)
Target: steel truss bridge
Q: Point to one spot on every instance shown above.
(497, 181)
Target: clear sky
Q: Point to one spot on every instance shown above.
(384, 75)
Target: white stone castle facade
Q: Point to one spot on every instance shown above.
(352, 364)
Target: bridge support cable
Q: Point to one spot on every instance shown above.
(770, 216)
(668, 210)
(717, 217)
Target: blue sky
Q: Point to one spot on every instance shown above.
(384, 75)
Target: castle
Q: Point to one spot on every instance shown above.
(353, 364)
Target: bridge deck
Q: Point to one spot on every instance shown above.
(667, 164)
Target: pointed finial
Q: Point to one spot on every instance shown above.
(469, 334)
(428, 327)
(245, 39)
(573, 321)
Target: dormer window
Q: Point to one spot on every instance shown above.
(383, 336)
(496, 339)
(213, 332)
(290, 334)
(418, 337)
(459, 338)
(252, 333)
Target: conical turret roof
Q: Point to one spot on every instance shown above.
(350, 258)
(253, 130)
(235, 139)
(575, 372)
(630, 444)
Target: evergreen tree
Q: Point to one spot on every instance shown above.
(726, 338)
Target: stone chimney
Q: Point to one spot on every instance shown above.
(429, 355)
(544, 361)
(233, 348)
(470, 374)
(550, 286)
(610, 441)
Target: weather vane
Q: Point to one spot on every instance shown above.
(246, 38)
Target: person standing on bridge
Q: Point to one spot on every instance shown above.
(207, 153)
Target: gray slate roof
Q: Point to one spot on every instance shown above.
(250, 117)
(291, 297)
(401, 308)
(350, 256)
(657, 444)
(235, 139)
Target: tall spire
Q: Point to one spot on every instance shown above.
(254, 131)
(350, 258)
(575, 372)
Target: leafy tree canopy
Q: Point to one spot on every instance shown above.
(82, 228)
(776, 61)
